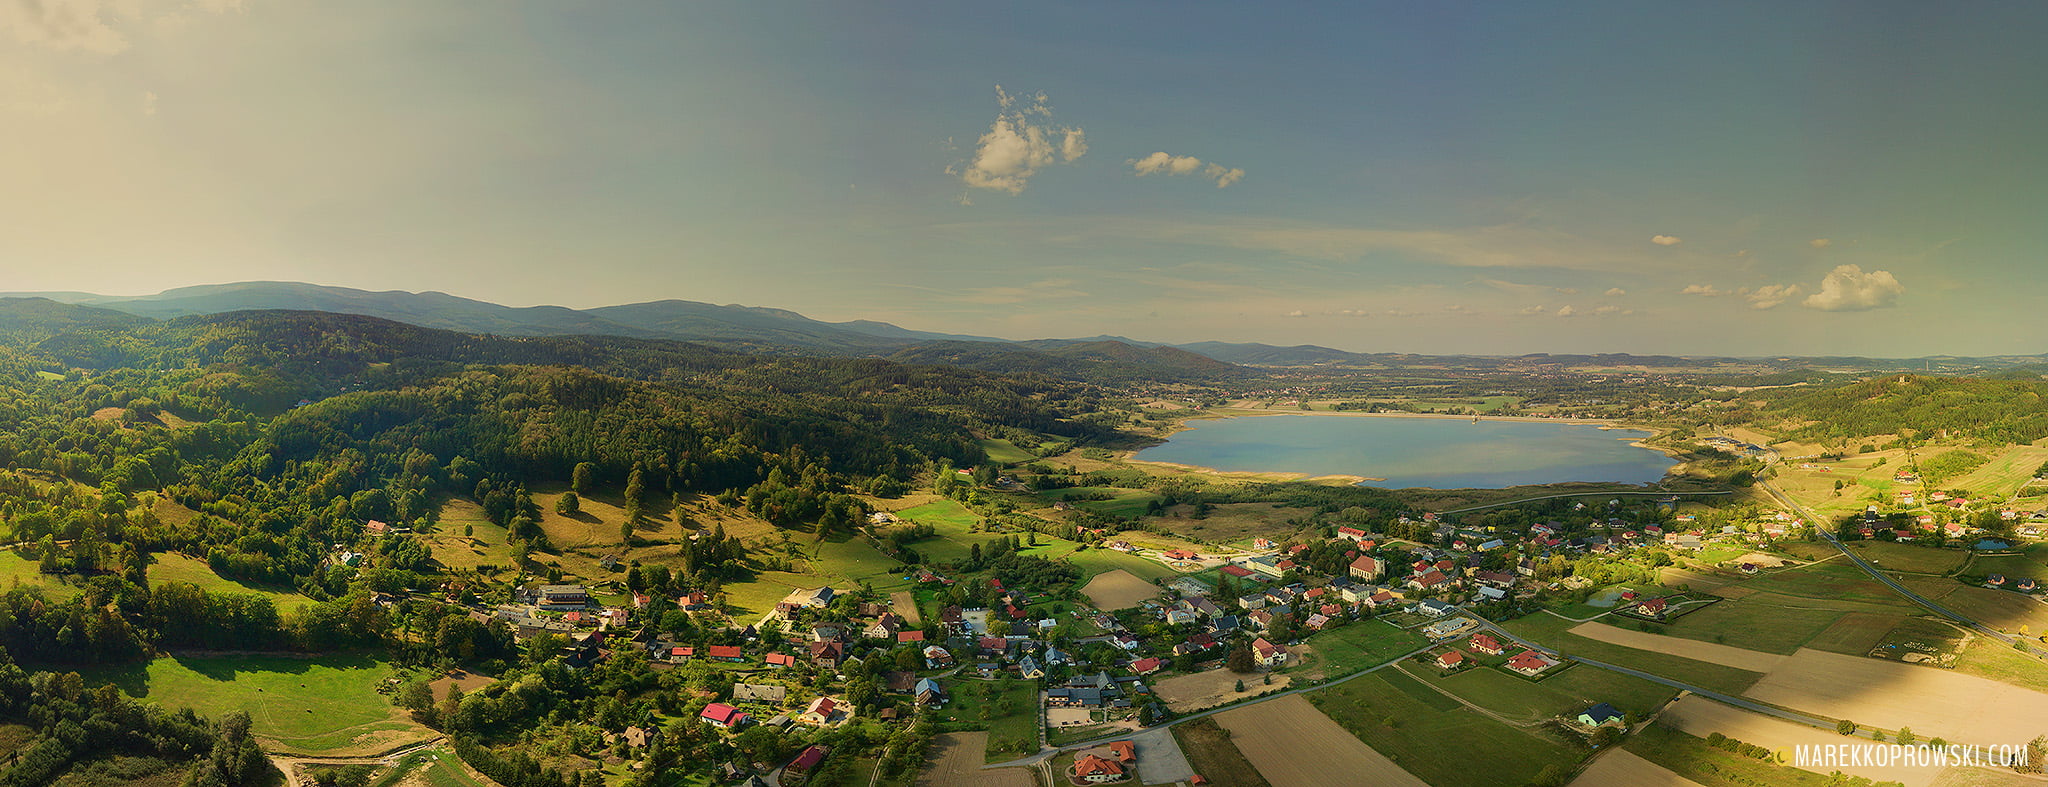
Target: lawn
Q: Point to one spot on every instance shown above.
(1209, 749)
(174, 567)
(323, 705)
(1988, 658)
(1011, 717)
(1101, 561)
(1122, 502)
(1834, 581)
(1360, 644)
(1692, 758)
(1562, 693)
(1551, 630)
(1451, 747)
(1755, 623)
(1005, 452)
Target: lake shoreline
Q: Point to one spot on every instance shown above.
(1225, 413)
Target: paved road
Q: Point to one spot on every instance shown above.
(1820, 525)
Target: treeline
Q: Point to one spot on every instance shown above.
(2006, 409)
(112, 621)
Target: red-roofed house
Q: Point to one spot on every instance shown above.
(805, 762)
(1351, 533)
(725, 653)
(819, 712)
(909, 636)
(1451, 660)
(781, 660)
(1368, 568)
(1268, 653)
(1485, 643)
(723, 716)
(1146, 666)
(1528, 663)
(1654, 607)
(1181, 554)
(1093, 769)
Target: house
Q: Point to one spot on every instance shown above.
(1748, 568)
(1995, 580)
(829, 632)
(827, 654)
(1429, 580)
(909, 636)
(759, 692)
(1437, 608)
(1263, 543)
(638, 737)
(1485, 643)
(1027, 667)
(820, 711)
(723, 716)
(899, 681)
(1267, 653)
(928, 692)
(1653, 608)
(1447, 628)
(1494, 578)
(1492, 545)
(1253, 601)
(1267, 565)
(1450, 660)
(1351, 534)
(1093, 769)
(884, 627)
(806, 761)
(1147, 666)
(1600, 715)
(560, 596)
(725, 653)
(1368, 568)
(1181, 554)
(1126, 751)
(1530, 663)
(2026, 585)
(1491, 593)
(936, 657)
(781, 660)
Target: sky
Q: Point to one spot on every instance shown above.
(1693, 178)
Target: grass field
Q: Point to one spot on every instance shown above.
(1832, 581)
(1290, 742)
(1566, 692)
(18, 570)
(1011, 717)
(1754, 623)
(1238, 523)
(1005, 452)
(1693, 759)
(2007, 471)
(173, 567)
(486, 545)
(1360, 644)
(1449, 748)
(1122, 502)
(321, 706)
(1552, 631)
(1908, 557)
(2031, 562)
(1988, 658)
(1209, 749)
(1855, 633)
(1098, 561)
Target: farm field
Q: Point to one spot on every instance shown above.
(1118, 589)
(1855, 633)
(2000, 609)
(1554, 632)
(1699, 717)
(1566, 692)
(2031, 562)
(1891, 694)
(956, 759)
(174, 567)
(1620, 767)
(1755, 623)
(1238, 523)
(1908, 557)
(1993, 660)
(904, 604)
(316, 706)
(1098, 561)
(1290, 742)
(2007, 471)
(1360, 644)
(956, 536)
(1753, 661)
(1121, 502)
(1207, 689)
(1448, 747)
(1831, 581)
(1004, 452)
(1215, 756)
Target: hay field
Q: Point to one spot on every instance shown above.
(956, 759)
(1620, 767)
(1118, 589)
(1701, 717)
(1888, 694)
(904, 605)
(1184, 693)
(1753, 661)
(1292, 743)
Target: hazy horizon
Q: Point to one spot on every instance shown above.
(1591, 177)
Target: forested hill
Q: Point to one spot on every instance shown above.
(2007, 409)
(1095, 361)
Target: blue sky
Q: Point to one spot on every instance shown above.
(1763, 178)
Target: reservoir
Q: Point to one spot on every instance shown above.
(1436, 453)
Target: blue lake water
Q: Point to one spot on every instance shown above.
(1436, 453)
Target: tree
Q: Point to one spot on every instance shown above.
(1240, 660)
(636, 488)
(1906, 736)
(1845, 727)
(580, 478)
(1240, 686)
(568, 504)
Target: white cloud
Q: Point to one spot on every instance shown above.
(1018, 144)
(1164, 163)
(1531, 311)
(149, 103)
(1770, 295)
(1820, 243)
(1849, 288)
(1665, 240)
(1616, 292)
(1606, 311)
(1296, 313)
(1707, 290)
(1567, 311)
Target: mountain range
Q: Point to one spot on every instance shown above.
(779, 331)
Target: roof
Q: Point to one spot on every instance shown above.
(1602, 712)
(721, 713)
(1125, 750)
(809, 759)
(1264, 648)
(927, 684)
(1452, 657)
(822, 706)
(909, 636)
(1091, 764)
(725, 652)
